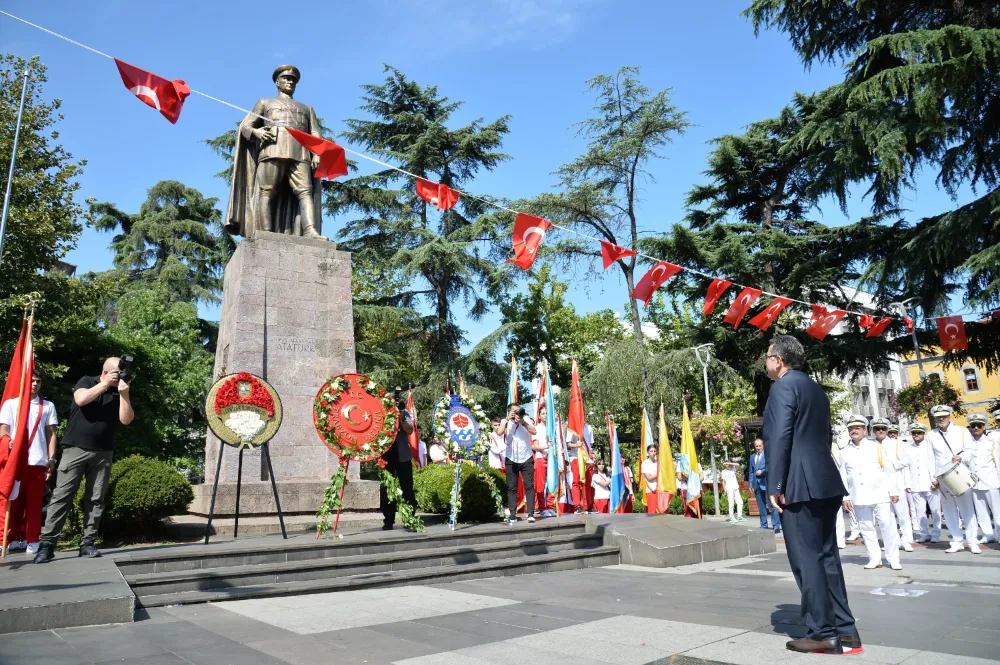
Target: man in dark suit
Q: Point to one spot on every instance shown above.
(805, 487)
(758, 483)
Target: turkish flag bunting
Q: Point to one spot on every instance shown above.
(866, 321)
(951, 330)
(528, 233)
(438, 195)
(715, 291)
(654, 279)
(611, 252)
(154, 91)
(876, 329)
(823, 320)
(770, 313)
(18, 387)
(909, 325)
(332, 158)
(741, 306)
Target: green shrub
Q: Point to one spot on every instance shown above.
(433, 486)
(708, 503)
(141, 492)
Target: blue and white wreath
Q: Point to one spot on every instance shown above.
(461, 425)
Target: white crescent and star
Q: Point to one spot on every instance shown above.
(658, 270)
(148, 93)
(532, 230)
(953, 335)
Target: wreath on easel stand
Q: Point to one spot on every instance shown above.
(461, 425)
(357, 419)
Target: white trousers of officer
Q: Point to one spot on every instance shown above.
(901, 510)
(986, 501)
(921, 502)
(954, 507)
(882, 513)
(734, 499)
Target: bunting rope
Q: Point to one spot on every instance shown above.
(468, 194)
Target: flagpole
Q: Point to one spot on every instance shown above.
(708, 407)
(10, 173)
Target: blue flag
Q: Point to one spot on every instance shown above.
(619, 491)
(555, 456)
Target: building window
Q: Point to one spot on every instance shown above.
(971, 378)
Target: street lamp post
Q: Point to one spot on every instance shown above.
(13, 160)
(707, 350)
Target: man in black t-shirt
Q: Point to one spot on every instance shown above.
(100, 404)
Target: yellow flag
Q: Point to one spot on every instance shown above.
(687, 443)
(667, 481)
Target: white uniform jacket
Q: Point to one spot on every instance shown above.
(921, 460)
(869, 477)
(984, 463)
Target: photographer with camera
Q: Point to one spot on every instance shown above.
(519, 458)
(100, 404)
(398, 460)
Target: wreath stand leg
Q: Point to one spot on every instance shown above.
(274, 487)
(453, 519)
(340, 503)
(239, 482)
(215, 489)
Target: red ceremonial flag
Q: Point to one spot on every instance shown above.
(575, 419)
(866, 321)
(611, 252)
(154, 91)
(438, 195)
(18, 387)
(951, 330)
(876, 329)
(332, 158)
(740, 306)
(654, 279)
(770, 313)
(528, 233)
(413, 437)
(715, 291)
(823, 321)
(909, 325)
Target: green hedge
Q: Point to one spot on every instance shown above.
(707, 504)
(433, 485)
(141, 492)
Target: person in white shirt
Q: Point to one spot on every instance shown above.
(949, 445)
(437, 452)
(602, 488)
(731, 485)
(837, 450)
(519, 459)
(422, 453)
(894, 452)
(650, 471)
(545, 503)
(26, 507)
(921, 487)
(986, 492)
(497, 444)
(871, 485)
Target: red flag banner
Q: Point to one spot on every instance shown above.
(611, 252)
(440, 196)
(770, 313)
(909, 325)
(575, 419)
(654, 279)
(715, 291)
(154, 91)
(740, 306)
(332, 158)
(866, 321)
(413, 438)
(528, 234)
(876, 329)
(20, 375)
(951, 330)
(823, 321)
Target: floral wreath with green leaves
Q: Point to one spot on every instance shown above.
(480, 445)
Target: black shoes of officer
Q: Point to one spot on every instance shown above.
(44, 554)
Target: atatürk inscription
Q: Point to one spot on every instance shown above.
(295, 344)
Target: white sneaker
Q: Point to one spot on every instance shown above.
(956, 547)
(985, 539)
(531, 519)
(854, 536)
(872, 565)
(895, 566)
(841, 546)
(975, 549)
(16, 546)
(32, 548)
(907, 547)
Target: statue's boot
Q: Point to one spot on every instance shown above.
(309, 218)
(263, 216)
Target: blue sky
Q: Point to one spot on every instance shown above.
(528, 58)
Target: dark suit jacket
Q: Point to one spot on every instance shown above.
(758, 482)
(797, 440)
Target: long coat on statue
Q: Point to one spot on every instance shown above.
(240, 213)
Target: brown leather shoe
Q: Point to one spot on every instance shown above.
(850, 641)
(806, 645)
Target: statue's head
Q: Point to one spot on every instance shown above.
(286, 77)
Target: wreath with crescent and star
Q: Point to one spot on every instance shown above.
(355, 417)
(461, 425)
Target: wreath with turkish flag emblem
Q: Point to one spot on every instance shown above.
(355, 417)
(462, 427)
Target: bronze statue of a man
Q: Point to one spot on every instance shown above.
(273, 184)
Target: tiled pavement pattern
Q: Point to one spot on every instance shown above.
(739, 612)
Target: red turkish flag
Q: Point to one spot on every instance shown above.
(18, 387)
(823, 321)
(866, 321)
(154, 91)
(951, 330)
(770, 313)
(909, 325)
(654, 279)
(740, 306)
(876, 329)
(611, 252)
(332, 158)
(715, 291)
(440, 196)
(528, 233)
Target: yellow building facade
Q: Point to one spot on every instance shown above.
(977, 390)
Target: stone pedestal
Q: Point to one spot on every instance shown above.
(287, 317)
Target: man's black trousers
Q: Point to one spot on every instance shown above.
(527, 472)
(404, 472)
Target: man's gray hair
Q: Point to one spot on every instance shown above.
(790, 350)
